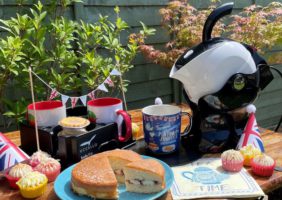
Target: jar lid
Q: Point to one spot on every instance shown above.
(74, 122)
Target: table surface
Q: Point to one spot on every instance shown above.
(272, 142)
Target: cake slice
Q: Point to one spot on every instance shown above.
(144, 176)
(94, 177)
(119, 158)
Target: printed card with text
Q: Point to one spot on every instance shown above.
(205, 178)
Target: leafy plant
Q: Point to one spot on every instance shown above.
(71, 56)
(258, 26)
(17, 110)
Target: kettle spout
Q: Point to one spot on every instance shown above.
(175, 74)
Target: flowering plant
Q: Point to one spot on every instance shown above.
(257, 26)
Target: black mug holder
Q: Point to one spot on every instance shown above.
(71, 149)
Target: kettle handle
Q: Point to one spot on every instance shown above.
(215, 15)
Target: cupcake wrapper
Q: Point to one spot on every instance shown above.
(52, 176)
(247, 161)
(31, 193)
(12, 181)
(262, 170)
(232, 166)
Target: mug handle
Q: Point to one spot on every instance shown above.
(128, 128)
(188, 128)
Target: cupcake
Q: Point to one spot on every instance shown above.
(16, 172)
(232, 160)
(50, 167)
(263, 165)
(38, 157)
(249, 152)
(32, 185)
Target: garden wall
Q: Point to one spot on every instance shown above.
(148, 80)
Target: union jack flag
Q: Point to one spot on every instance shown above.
(54, 94)
(91, 95)
(73, 101)
(251, 135)
(109, 82)
(10, 154)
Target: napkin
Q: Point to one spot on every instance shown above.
(205, 178)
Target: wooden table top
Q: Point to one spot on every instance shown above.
(272, 142)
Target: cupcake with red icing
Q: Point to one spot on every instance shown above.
(16, 172)
(38, 157)
(263, 165)
(50, 167)
(232, 160)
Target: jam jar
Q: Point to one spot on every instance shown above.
(73, 126)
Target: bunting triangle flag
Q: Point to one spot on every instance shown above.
(73, 101)
(102, 87)
(91, 95)
(115, 72)
(83, 99)
(109, 82)
(54, 94)
(65, 98)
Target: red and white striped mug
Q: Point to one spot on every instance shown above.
(108, 110)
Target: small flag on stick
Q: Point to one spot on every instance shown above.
(10, 154)
(251, 134)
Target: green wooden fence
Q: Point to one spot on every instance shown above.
(149, 80)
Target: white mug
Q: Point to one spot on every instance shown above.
(107, 110)
(48, 113)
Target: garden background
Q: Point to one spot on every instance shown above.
(148, 80)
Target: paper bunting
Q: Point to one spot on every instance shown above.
(83, 99)
(65, 98)
(73, 101)
(102, 87)
(109, 82)
(91, 95)
(54, 94)
(115, 72)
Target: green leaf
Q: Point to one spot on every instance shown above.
(9, 114)
(116, 9)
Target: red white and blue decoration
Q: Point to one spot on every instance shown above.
(10, 154)
(65, 98)
(251, 134)
(54, 94)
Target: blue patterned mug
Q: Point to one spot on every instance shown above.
(161, 125)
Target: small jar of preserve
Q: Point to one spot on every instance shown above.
(73, 126)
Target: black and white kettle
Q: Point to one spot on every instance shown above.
(220, 76)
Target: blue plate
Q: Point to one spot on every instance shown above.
(63, 189)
